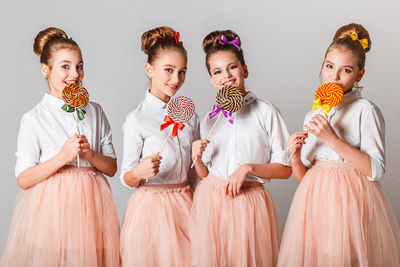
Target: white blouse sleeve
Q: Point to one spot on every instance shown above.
(278, 137)
(373, 141)
(28, 145)
(133, 145)
(106, 145)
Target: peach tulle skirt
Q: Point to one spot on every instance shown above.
(240, 231)
(339, 218)
(67, 220)
(155, 227)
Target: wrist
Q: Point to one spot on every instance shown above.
(247, 168)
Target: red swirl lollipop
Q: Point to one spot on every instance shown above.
(181, 109)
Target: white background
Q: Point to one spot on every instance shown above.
(283, 41)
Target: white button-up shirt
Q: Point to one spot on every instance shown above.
(258, 135)
(359, 123)
(46, 128)
(142, 137)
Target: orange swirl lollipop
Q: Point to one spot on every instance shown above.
(327, 96)
(75, 97)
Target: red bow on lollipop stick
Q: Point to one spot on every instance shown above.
(177, 125)
(180, 110)
(176, 37)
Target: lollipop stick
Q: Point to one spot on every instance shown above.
(166, 139)
(291, 155)
(215, 123)
(77, 131)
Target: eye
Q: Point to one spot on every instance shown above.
(232, 67)
(79, 67)
(329, 66)
(65, 66)
(182, 72)
(170, 70)
(347, 70)
(217, 72)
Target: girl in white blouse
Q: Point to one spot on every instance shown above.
(65, 215)
(235, 222)
(339, 215)
(155, 227)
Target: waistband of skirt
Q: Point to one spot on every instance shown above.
(164, 187)
(214, 180)
(332, 164)
(75, 169)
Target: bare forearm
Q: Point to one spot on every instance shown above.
(36, 174)
(131, 179)
(357, 159)
(201, 169)
(270, 171)
(298, 168)
(104, 164)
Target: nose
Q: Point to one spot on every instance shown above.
(336, 75)
(74, 72)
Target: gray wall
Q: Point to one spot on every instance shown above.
(284, 44)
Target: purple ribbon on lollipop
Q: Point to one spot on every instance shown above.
(235, 42)
(227, 114)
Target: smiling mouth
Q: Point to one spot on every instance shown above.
(173, 87)
(229, 83)
(70, 82)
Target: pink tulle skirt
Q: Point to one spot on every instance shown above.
(67, 220)
(339, 218)
(240, 231)
(155, 227)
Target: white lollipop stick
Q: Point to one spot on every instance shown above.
(166, 139)
(215, 123)
(77, 131)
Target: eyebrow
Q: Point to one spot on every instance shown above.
(173, 66)
(67, 61)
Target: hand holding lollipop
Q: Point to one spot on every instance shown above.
(179, 111)
(327, 96)
(229, 100)
(75, 97)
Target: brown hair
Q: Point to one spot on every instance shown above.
(343, 39)
(158, 39)
(51, 40)
(211, 44)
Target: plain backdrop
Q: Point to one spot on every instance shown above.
(283, 41)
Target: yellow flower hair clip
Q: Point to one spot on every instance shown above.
(363, 42)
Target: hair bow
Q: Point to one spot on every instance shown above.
(176, 37)
(363, 42)
(235, 42)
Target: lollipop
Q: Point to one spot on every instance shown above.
(75, 97)
(229, 100)
(327, 96)
(179, 111)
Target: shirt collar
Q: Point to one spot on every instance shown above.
(348, 97)
(155, 101)
(249, 98)
(52, 100)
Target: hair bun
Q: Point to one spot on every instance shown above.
(154, 36)
(347, 30)
(44, 37)
(212, 40)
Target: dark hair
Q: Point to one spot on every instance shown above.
(158, 39)
(51, 40)
(344, 40)
(211, 44)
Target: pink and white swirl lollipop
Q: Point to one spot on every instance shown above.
(179, 111)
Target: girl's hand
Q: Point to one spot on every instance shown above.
(296, 142)
(198, 148)
(321, 128)
(69, 150)
(148, 167)
(236, 180)
(85, 151)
